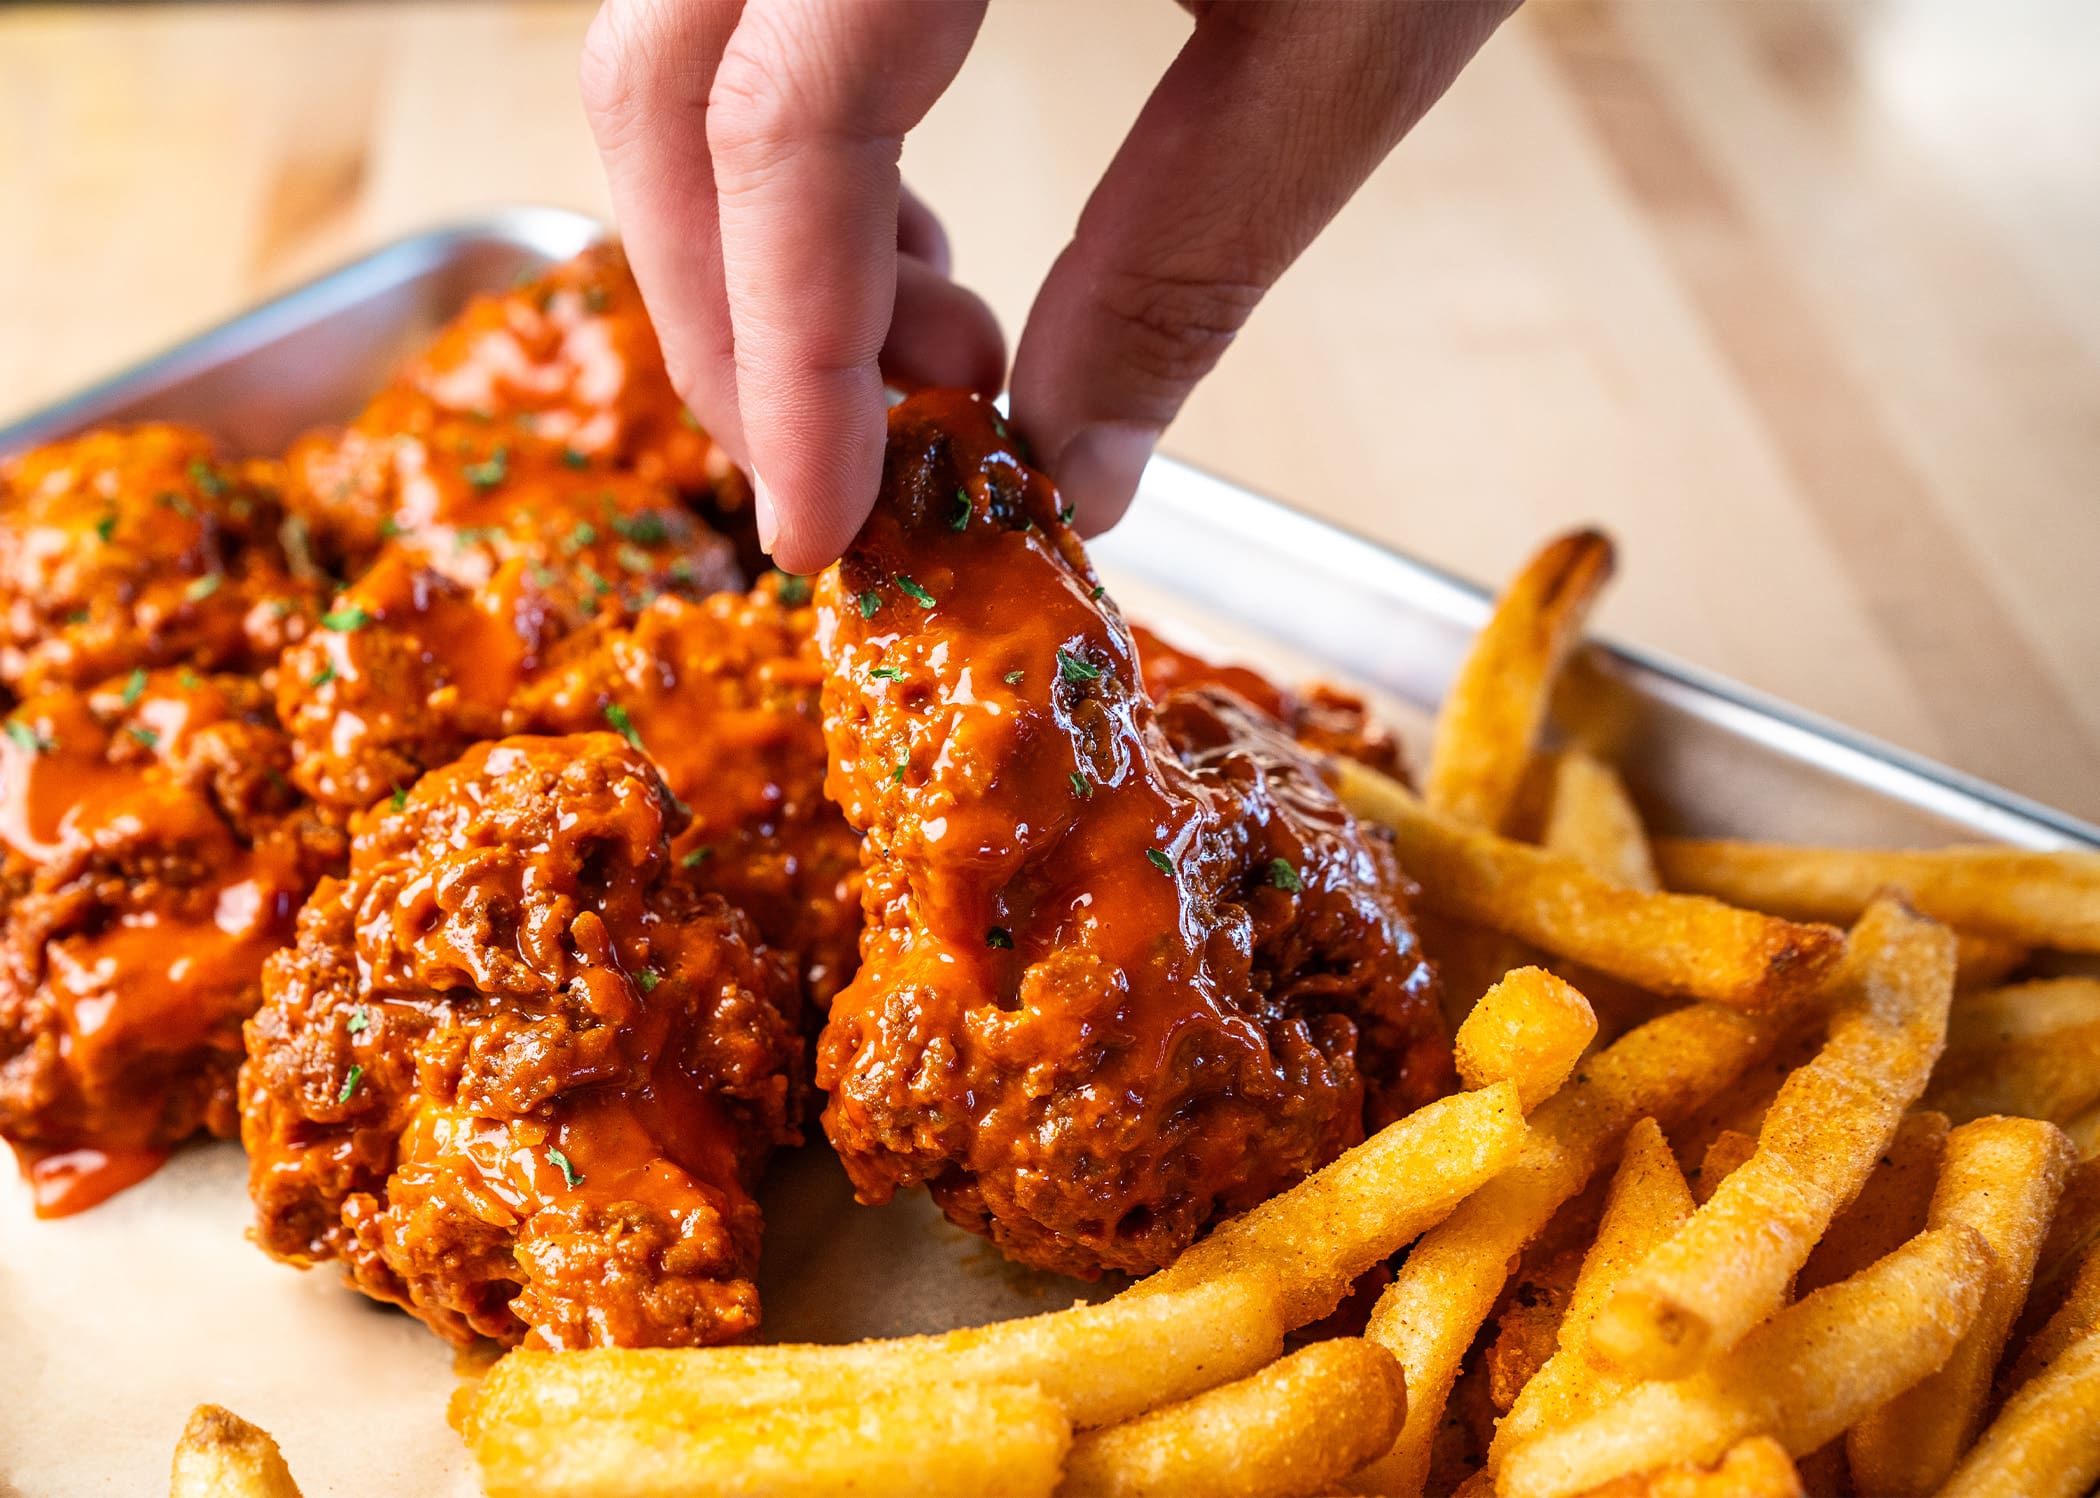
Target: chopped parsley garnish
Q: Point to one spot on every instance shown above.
(350, 1082)
(622, 724)
(399, 799)
(1000, 937)
(573, 458)
(584, 534)
(474, 535)
(794, 589)
(1283, 876)
(488, 475)
(1067, 512)
(647, 529)
(106, 527)
(1072, 668)
(1013, 678)
(697, 857)
(189, 679)
(322, 677)
(594, 299)
(544, 575)
(870, 604)
(27, 739)
(962, 510)
(648, 978)
(345, 621)
(1159, 860)
(998, 426)
(134, 686)
(202, 475)
(897, 775)
(359, 1021)
(887, 673)
(597, 581)
(570, 1175)
(914, 592)
(203, 587)
(389, 528)
(1081, 786)
(1098, 591)
(147, 736)
(180, 504)
(687, 419)
(633, 558)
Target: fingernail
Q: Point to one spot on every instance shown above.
(762, 512)
(1098, 470)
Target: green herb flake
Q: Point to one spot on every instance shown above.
(1098, 591)
(697, 857)
(622, 724)
(1067, 512)
(914, 592)
(134, 686)
(648, 978)
(647, 529)
(794, 589)
(544, 575)
(389, 528)
(570, 1175)
(597, 581)
(322, 677)
(203, 587)
(1072, 668)
(1000, 938)
(106, 527)
(180, 504)
(594, 299)
(870, 604)
(1159, 861)
(147, 736)
(188, 679)
(1283, 876)
(1081, 786)
(962, 511)
(897, 775)
(633, 558)
(688, 420)
(491, 473)
(357, 1074)
(399, 800)
(206, 479)
(574, 459)
(1013, 678)
(584, 535)
(359, 1021)
(27, 739)
(886, 673)
(347, 620)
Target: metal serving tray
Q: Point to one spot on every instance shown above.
(114, 1323)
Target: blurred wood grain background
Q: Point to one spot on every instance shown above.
(1799, 298)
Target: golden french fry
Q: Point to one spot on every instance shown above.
(1667, 944)
(1529, 1029)
(2002, 1177)
(1314, 1240)
(1592, 820)
(2084, 1132)
(932, 1441)
(220, 1455)
(1890, 1209)
(1647, 1202)
(1448, 1284)
(1756, 1468)
(1730, 1149)
(1301, 1423)
(2045, 1443)
(2031, 1049)
(1981, 961)
(2077, 1315)
(1728, 1268)
(1101, 1363)
(1491, 717)
(2039, 899)
(1801, 1377)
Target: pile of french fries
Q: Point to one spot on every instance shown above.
(1764, 1180)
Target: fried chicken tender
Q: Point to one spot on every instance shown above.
(140, 547)
(509, 550)
(154, 857)
(724, 694)
(1126, 970)
(566, 362)
(519, 1073)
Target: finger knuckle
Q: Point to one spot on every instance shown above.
(1171, 330)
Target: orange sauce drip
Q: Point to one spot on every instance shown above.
(65, 1181)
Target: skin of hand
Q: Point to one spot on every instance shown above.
(751, 147)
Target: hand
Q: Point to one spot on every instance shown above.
(752, 146)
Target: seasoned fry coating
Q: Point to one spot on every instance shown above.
(139, 547)
(725, 696)
(518, 1074)
(154, 857)
(1126, 970)
(419, 657)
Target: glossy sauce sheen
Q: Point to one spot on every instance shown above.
(1089, 1014)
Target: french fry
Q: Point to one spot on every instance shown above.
(1648, 1201)
(2073, 1235)
(1981, 961)
(1301, 1423)
(2083, 1131)
(220, 1455)
(2038, 899)
(1890, 1209)
(1529, 1029)
(1731, 1148)
(1683, 945)
(1100, 1363)
(1445, 1289)
(2078, 1315)
(1491, 716)
(933, 1441)
(2002, 1177)
(1314, 1241)
(1728, 1268)
(1803, 1376)
(2045, 1443)
(1756, 1468)
(1592, 820)
(2031, 1049)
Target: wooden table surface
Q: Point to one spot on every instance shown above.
(1800, 298)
